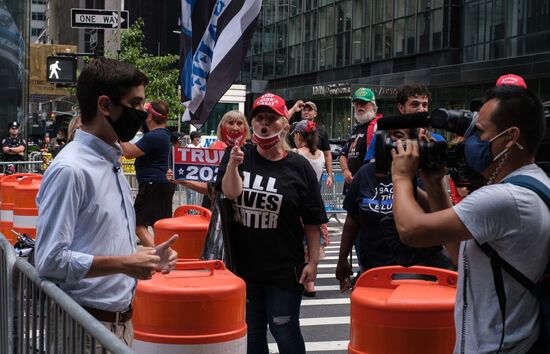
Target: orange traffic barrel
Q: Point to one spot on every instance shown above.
(394, 314)
(25, 211)
(191, 228)
(199, 307)
(7, 191)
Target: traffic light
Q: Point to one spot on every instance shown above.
(53, 115)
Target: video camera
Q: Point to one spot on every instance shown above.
(433, 154)
(437, 154)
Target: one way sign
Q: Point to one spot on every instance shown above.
(90, 18)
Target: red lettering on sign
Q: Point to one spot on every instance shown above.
(198, 156)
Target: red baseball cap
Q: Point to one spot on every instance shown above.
(511, 79)
(268, 100)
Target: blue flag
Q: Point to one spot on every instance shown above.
(215, 35)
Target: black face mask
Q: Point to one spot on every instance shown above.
(129, 122)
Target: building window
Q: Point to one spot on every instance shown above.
(295, 30)
(269, 61)
(388, 13)
(268, 10)
(326, 53)
(399, 42)
(400, 8)
(410, 34)
(310, 4)
(310, 25)
(281, 62)
(356, 47)
(35, 32)
(378, 11)
(38, 16)
(294, 60)
(424, 32)
(359, 13)
(343, 49)
(366, 44)
(257, 42)
(343, 16)
(437, 29)
(326, 21)
(388, 36)
(39, 2)
(310, 56)
(257, 67)
(282, 13)
(295, 7)
(378, 33)
(282, 28)
(269, 38)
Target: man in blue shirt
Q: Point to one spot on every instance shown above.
(152, 151)
(86, 224)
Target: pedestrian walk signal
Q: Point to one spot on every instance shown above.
(61, 70)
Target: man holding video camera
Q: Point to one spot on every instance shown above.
(513, 220)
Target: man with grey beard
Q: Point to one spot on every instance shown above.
(353, 152)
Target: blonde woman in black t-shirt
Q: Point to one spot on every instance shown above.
(276, 201)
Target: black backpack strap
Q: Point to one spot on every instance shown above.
(501, 263)
(497, 263)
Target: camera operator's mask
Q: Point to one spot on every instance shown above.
(478, 152)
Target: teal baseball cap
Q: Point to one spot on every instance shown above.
(364, 94)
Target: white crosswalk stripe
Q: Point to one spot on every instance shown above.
(324, 319)
(320, 302)
(321, 321)
(333, 346)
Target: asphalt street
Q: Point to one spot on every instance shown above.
(325, 319)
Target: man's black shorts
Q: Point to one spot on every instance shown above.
(153, 202)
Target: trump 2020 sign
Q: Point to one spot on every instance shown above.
(196, 164)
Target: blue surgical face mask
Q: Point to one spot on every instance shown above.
(478, 152)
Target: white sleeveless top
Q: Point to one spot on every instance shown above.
(317, 163)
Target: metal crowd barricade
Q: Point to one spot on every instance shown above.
(333, 197)
(7, 299)
(8, 167)
(38, 317)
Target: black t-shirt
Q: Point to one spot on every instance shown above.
(267, 233)
(323, 142)
(371, 198)
(13, 143)
(152, 166)
(356, 147)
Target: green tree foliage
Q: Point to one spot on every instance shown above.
(162, 71)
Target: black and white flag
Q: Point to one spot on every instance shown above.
(215, 37)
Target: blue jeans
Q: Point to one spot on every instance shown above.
(280, 308)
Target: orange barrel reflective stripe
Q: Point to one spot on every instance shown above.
(197, 308)
(6, 208)
(191, 228)
(25, 211)
(392, 315)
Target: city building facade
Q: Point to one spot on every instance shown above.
(14, 34)
(322, 50)
(38, 18)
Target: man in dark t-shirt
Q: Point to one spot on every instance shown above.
(353, 152)
(309, 112)
(154, 199)
(13, 145)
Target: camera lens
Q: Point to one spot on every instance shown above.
(455, 121)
